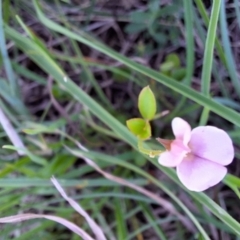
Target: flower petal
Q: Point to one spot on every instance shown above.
(181, 130)
(168, 159)
(213, 144)
(172, 157)
(198, 174)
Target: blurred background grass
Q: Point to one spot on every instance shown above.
(40, 62)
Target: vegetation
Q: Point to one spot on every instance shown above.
(71, 74)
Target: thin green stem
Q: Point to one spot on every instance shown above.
(208, 57)
(204, 116)
(188, 18)
(209, 47)
(204, 15)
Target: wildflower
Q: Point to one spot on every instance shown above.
(199, 154)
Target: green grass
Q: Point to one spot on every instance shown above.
(96, 77)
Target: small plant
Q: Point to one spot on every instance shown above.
(200, 155)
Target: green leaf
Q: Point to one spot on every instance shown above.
(132, 28)
(140, 128)
(171, 62)
(160, 38)
(178, 73)
(136, 125)
(174, 58)
(146, 132)
(166, 67)
(140, 17)
(147, 103)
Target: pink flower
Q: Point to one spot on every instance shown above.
(199, 154)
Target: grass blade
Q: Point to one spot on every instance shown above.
(209, 47)
(47, 64)
(222, 111)
(188, 10)
(231, 66)
(5, 56)
(205, 17)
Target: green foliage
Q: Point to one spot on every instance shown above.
(148, 21)
(147, 107)
(139, 127)
(147, 103)
(94, 90)
(172, 68)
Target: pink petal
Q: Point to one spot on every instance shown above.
(181, 130)
(198, 174)
(212, 144)
(172, 157)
